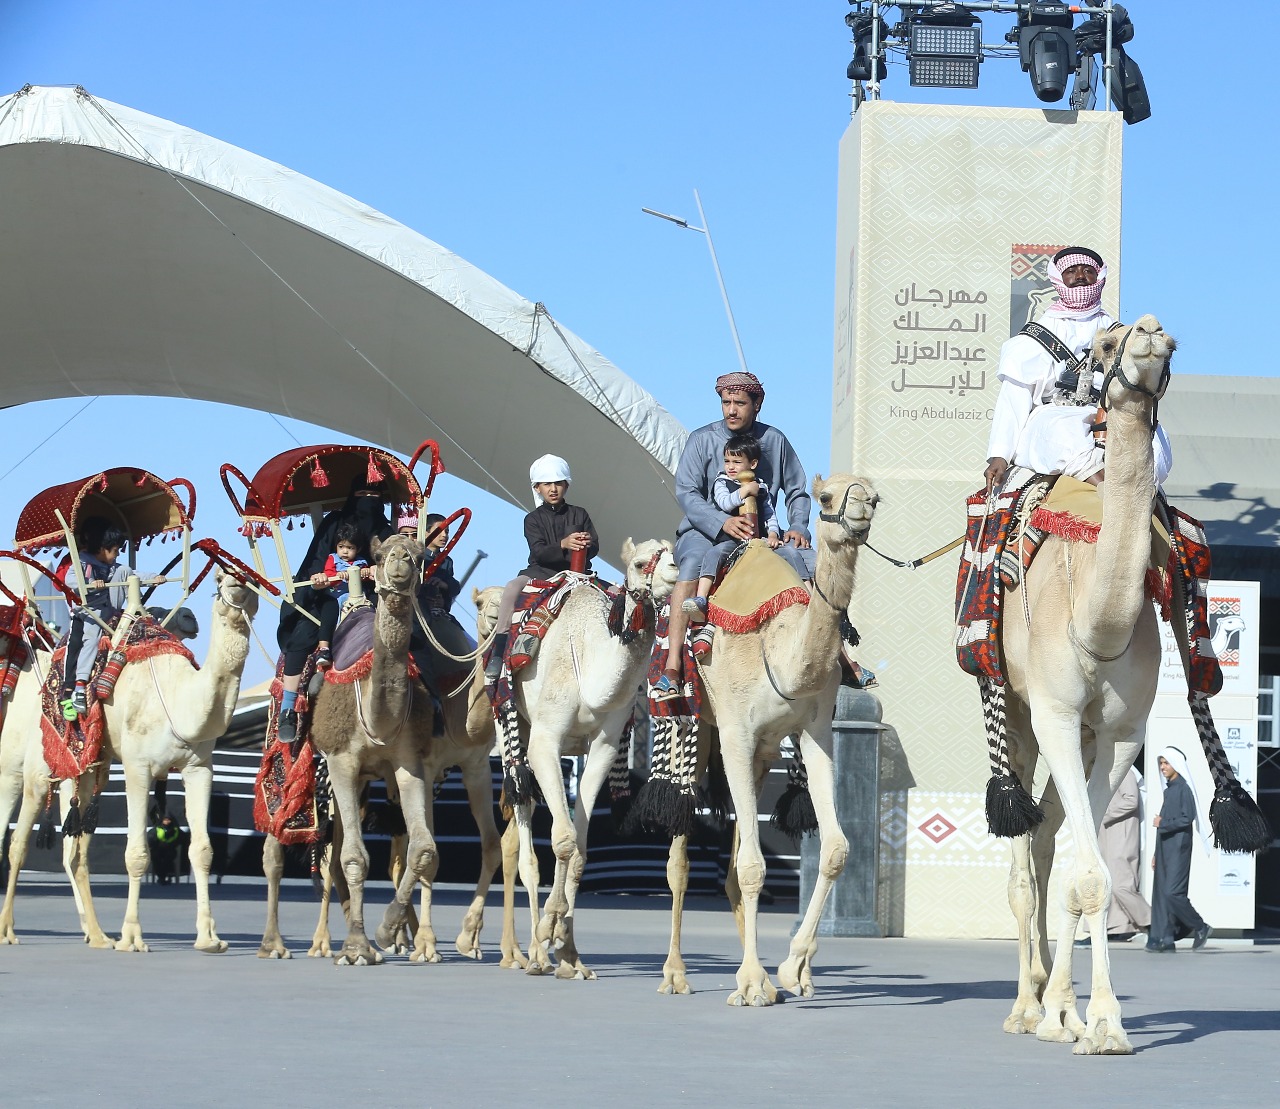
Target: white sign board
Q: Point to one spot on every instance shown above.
(1222, 885)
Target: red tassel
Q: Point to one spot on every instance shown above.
(319, 479)
(374, 475)
(140, 480)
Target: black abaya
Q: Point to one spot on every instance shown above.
(1172, 914)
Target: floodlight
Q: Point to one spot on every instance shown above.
(945, 51)
(1047, 48)
(861, 24)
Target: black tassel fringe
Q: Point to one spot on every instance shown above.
(71, 824)
(1011, 810)
(794, 814)
(520, 785)
(719, 798)
(44, 837)
(89, 818)
(1238, 824)
(661, 807)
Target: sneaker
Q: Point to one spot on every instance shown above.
(324, 659)
(664, 689)
(1161, 948)
(69, 709)
(1202, 935)
(696, 609)
(287, 728)
(80, 699)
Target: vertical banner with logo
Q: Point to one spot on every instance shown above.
(947, 217)
(1222, 885)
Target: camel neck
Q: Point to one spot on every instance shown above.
(389, 676)
(809, 663)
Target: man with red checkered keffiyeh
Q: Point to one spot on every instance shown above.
(1026, 428)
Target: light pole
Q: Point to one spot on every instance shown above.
(705, 229)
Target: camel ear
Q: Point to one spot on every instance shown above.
(628, 549)
(669, 546)
(475, 596)
(374, 544)
(818, 482)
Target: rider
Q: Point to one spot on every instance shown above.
(741, 398)
(100, 545)
(1028, 428)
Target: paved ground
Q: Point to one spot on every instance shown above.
(894, 1022)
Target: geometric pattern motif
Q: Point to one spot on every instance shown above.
(933, 200)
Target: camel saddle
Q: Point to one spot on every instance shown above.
(757, 586)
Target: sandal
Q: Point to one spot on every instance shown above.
(664, 689)
(696, 609)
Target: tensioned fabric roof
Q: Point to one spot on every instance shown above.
(139, 257)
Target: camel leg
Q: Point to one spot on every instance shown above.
(600, 760)
(544, 761)
(539, 960)
(796, 972)
(75, 861)
(673, 970)
(477, 780)
(424, 934)
(744, 772)
(402, 942)
(512, 956)
(344, 780)
(331, 879)
(197, 781)
(18, 845)
(272, 946)
(421, 856)
(137, 786)
(1087, 891)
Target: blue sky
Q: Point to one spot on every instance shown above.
(526, 137)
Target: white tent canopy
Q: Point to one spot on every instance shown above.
(138, 257)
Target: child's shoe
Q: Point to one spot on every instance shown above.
(696, 609)
(324, 659)
(665, 688)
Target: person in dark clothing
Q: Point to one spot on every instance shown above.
(436, 595)
(1172, 914)
(100, 543)
(554, 530)
(298, 636)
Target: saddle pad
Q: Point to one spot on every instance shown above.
(757, 587)
(353, 639)
(1073, 510)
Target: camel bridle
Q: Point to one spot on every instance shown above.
(1115, 372)
(839, 517)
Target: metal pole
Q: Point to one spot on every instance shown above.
(706, 230)
(472, 568)
(873, 86)
(1107, 60)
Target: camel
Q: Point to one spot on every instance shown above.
(163, 715)
(1081, 671)
(575, 698)
(466, 743)
(375, 727)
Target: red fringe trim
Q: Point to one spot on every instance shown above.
(1065, 525)
(62, 764)
(357, 671)
(150, 648)
(739, 625)
(1159, 588)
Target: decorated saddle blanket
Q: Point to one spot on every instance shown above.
(284, 792)
(71, 747)
(755, 588)
(353, 649)
(1072, 510)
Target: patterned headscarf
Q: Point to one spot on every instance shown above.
(741, 383)
(1083, 301)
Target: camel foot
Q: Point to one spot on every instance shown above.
(547, 927)
(539, 961)
(320, 949)
(7, 934)
(796, 975)
(358, 952)
(1106, 1037)
(1055, 1034)
(131, 939)
(100, 941)
(753, 989)
(574, 971)
(1022, 1022)
(513, 958)
(674, 981)
(274, 949)
(211, 946)
(468, 947)
(426, 953)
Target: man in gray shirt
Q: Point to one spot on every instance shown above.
(741, 397)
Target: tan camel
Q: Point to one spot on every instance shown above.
(1081, 681)
(376, 727)
(466, 743)
(575, 698)
(763, 686)
(164, 714)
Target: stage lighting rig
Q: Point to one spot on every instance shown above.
(943, 48)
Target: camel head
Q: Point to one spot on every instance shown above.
(650, 567)
(397, 564)
(486, 602)
(1134, 359)
(232, 593)
(845, 507)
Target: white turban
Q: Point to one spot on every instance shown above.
(550, 467)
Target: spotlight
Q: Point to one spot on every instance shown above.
(944, 48)
(1046, 47)
(861, 23)
(1128, 90)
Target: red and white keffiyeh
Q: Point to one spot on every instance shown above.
(740, 382)
(1083, 301)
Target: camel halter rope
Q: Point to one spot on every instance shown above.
(642, 598)
(383, 587)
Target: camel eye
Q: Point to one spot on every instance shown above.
(825, 499)
(1108, 345)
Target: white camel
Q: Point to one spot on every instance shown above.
(164, 714)
(1081, 680)
(763, 686)
(575, 698)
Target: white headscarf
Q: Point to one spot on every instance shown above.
(1081, 302)
(550, 467)
(1175, 758)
